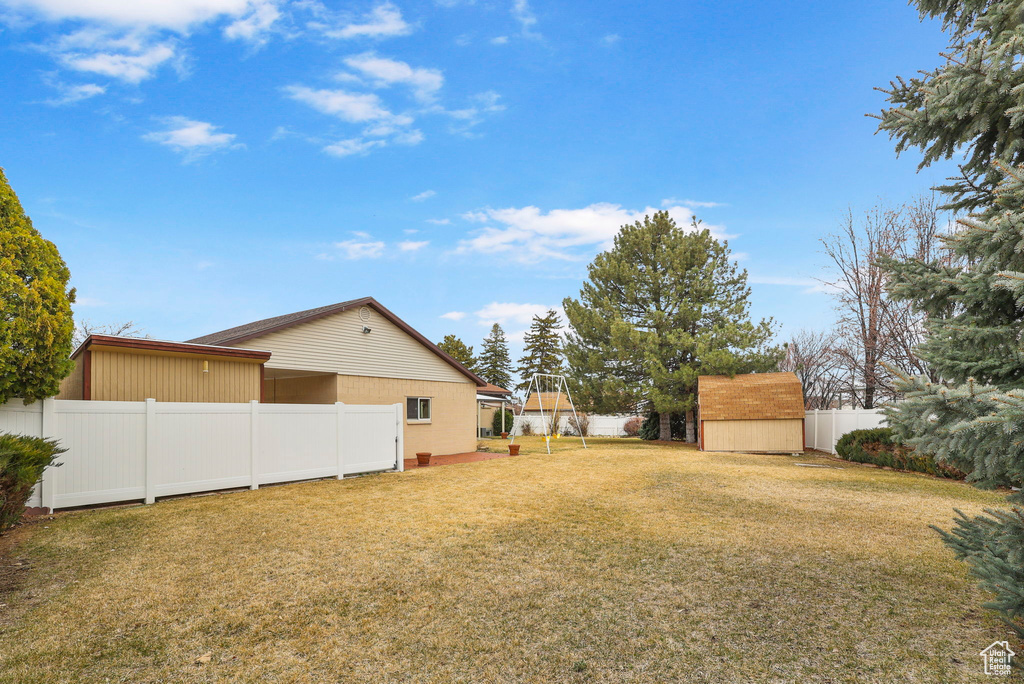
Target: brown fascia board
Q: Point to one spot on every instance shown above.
(379, 308)
(176, 347)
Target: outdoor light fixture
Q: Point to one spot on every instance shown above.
(206, 366)
(366, 330)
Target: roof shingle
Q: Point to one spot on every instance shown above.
(757, 396)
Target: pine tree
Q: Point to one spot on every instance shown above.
(660, 308)
(970, 104)
(495, 363)
(973, 418)
(457, 349)
(542, 349)
(35, 307)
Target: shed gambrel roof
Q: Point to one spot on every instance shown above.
(249, 331)
(756, 396)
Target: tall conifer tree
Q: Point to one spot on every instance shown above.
(35, 307)
(542, 349)
(973, 418)
(495, 363)
(457, 349)
(660, 308)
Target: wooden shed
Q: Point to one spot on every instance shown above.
(760, 412)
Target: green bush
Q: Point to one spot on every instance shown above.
(22, 461)
(880, 447)
(651, 427)
(496, 422)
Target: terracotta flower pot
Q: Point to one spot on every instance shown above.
(513, 449)
(422, 458)
(504, 435)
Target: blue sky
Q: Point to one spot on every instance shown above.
(204, 163)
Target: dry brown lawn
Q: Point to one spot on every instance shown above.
(627, 562)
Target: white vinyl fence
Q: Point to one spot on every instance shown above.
(824, 428)
(600, 425)
(125, 451)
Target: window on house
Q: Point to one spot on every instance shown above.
(418, 408)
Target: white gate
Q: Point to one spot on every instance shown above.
(126, 451)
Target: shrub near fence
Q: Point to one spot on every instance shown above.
(880, 447)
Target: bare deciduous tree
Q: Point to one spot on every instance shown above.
(85, 328)
(875, 333)
(810, 354)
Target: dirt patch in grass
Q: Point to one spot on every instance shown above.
(624, 562)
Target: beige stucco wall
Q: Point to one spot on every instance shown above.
(452, 427)
(313, 389)
(136, 376)
(785, 436)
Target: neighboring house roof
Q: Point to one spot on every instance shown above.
(757, 396)
(147, 344)
(491, 388)
(255, 329)
(546, 400)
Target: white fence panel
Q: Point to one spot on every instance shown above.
(600, 425)
(824, 428)
(296, 441)
(105, 459)
(126, 451)
(371, 438)
(201, 447)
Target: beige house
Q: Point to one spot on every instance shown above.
(759, 412)
(356, 352)
(359, 352)
(110, 368)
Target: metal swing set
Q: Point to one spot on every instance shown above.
(545, 385)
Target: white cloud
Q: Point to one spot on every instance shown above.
(439, 222)
(412, 245)
(672, 202)
(523, 13)
(425, 195)
(499, 40)
(424, 82)
(527, 234)
(454, 315)
(384, 21)
(72, 94)
(350, 146)
(177, 15)
(348, 106)
(131, 66)
(511, 312)
(255, 26)
(354, 249)
(809, 285)
(486, 102)
(611, 39)
(191, 137)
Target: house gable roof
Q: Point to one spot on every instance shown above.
(755, 396)
(255, 329)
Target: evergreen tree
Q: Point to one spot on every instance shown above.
(35, 307)
(495, 363)
(973, 418)
(542, 349)
(660, 308)
(972, 103)
(457, 349)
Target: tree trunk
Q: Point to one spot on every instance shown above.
(691, 428)
(665, 426)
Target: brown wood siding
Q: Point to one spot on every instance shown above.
(72, 387)
(134, 376)
(772, 436)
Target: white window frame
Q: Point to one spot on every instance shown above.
(417, 420)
